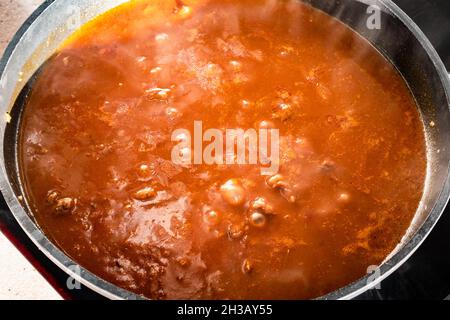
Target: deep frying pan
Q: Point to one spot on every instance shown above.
(399, 40)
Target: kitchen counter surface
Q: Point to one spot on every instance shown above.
(18, 278)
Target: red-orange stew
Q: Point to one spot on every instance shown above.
(96, 145)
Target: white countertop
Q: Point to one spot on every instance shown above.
(18, 278)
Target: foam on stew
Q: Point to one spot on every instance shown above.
(95, 150)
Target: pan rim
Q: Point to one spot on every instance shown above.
(112, 291)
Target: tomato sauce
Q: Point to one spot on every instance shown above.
(96, 147)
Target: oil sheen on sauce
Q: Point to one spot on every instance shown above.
(96, 144)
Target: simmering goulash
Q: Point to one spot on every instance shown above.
(97, 144)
